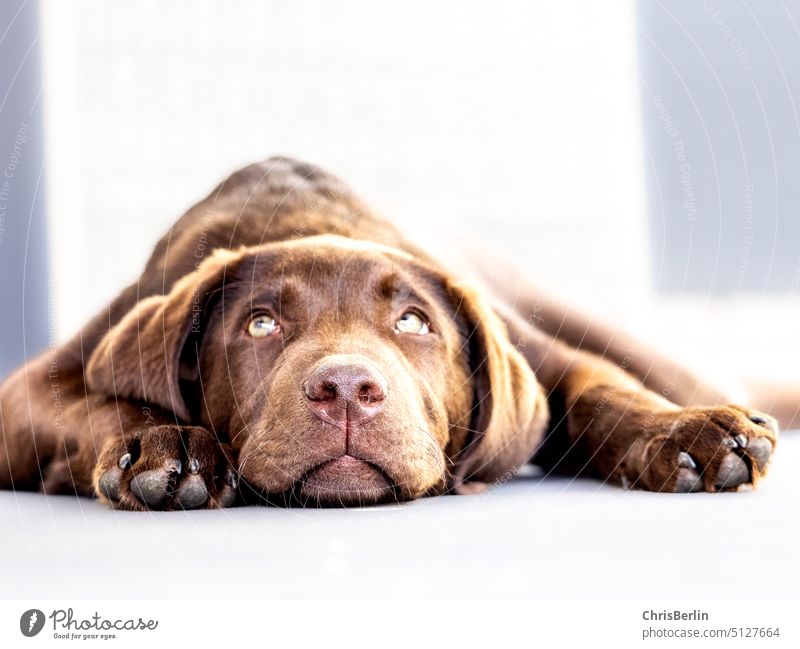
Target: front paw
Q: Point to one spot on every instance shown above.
(705, 449)
(166, 467)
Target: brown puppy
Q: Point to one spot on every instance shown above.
(284, 344)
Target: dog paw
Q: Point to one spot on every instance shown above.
(706, 449)
(167, 468)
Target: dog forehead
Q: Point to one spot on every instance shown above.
(324, 254)
(340, 247)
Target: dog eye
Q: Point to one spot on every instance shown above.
(262, 326)
(411, 323)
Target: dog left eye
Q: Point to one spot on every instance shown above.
(262, 326)
(411, 323)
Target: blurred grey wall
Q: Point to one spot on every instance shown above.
(24, 316)
(513, 122)
(720, 89)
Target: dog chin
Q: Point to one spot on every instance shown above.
(345, 481)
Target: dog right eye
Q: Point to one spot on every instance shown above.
(412, 322)
(262, 326)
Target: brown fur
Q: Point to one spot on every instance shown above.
(164, 401)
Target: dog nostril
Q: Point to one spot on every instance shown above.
(321, 391)
(370, 393)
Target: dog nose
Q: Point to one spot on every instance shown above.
(345, 390)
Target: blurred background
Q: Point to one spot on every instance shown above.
(638, 158)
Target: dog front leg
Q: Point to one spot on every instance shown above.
(607, 423)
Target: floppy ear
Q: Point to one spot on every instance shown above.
(140, 356)
(509, 410)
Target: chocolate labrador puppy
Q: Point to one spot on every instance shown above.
(284, 344)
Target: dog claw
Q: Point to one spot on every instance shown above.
(758, 420)
(741, 440)
(194, 466)
(125, 461)
(733, 471)
(729, 442)
(685, 460)
(227, 495)
(688, 481)
(232, 479)
(175, 467)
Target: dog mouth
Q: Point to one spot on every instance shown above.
(347, 480)
(344, 481)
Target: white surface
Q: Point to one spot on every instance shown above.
(541, 538)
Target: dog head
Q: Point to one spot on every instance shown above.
(344, 372)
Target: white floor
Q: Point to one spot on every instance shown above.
(541, 538)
